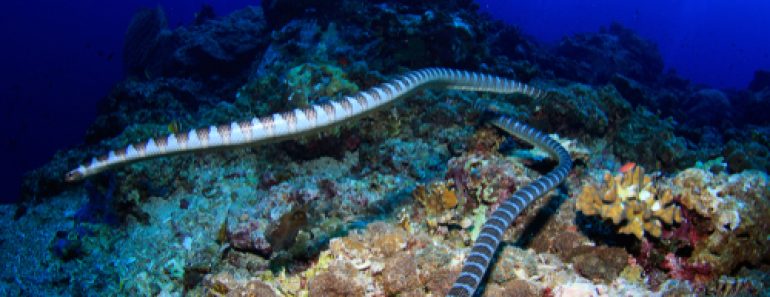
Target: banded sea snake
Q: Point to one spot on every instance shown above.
(300, 121)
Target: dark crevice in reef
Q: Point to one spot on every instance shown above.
(542, 216)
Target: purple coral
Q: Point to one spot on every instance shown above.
(686, 233)
(248, 237)
(679, 268)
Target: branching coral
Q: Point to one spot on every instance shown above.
(722, 222)
(632, 200)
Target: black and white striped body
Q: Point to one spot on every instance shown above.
(299, 121)
(478, 261)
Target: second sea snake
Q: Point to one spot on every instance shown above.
(477, 262)
(316, 117)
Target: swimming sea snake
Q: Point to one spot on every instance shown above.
(301, 121)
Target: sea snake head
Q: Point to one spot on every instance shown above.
(74, 175)
(297, 122)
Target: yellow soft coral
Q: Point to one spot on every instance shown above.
(436, 197)
(633, 201)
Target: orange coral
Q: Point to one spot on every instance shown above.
(485, 141)
(632, 200)
(436, 197)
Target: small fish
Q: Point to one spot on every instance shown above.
(343, 61)
(627, 167)
(173, 127)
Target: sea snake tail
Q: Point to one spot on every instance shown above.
(477, 262)
(297, 122)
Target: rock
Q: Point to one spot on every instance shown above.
(595, 57)
(761, 81)
(706, 107)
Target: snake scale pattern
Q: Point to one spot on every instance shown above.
(297, 122)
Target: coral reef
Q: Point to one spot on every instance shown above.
(385, 260)
(750, 104)
(632, 200)
(613, 50)
(330, 284)
(388, 205)
(485, 179)
(707, 107)
(651, 141)
(436, 198)
(581, 110)
(304, 84)
(736, 207)
(590, 114)
(753, 153)
(315, 81)
(761, 81)
(224, 284)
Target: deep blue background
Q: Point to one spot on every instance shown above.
(58, 58)
(716, 42)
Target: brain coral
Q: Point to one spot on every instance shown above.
(633, 201)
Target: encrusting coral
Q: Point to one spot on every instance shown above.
(736, 206)
(632, 200)
(309, 80)
(436, 197)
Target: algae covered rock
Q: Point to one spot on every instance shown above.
(706, 107)
(595, 57)
(737, 206)
(436, 197)
(311, 81)
(647, 139)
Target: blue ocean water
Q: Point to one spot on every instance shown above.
(60, 58)
(713, 42)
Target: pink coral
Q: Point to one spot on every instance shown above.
(680, 269)
(248, 236)
(686, 232)
(645, 258)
